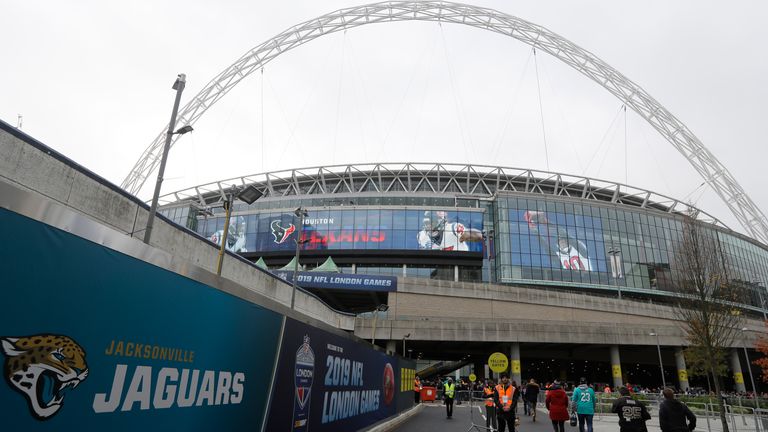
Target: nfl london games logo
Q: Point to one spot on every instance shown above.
(303, 374)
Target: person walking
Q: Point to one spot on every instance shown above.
(584, 402)
(531, 397)
(632, 413)
(449, 391)
(490, 407)
(504, 398)
(417, 390)
(557, 404)
(673, 414)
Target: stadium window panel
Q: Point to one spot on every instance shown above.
(397, 240)
(399, 219)
(372, 219)
(250, 242)
(414, 219)
(385, 219)
(570, 220)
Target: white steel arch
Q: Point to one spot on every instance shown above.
(712, 171)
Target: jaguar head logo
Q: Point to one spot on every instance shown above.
(281, 234)
(44, 368)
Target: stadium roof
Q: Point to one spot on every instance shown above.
(459, 180)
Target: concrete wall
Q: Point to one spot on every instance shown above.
(460, 311)
(27, 164)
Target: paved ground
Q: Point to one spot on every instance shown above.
(432, 418)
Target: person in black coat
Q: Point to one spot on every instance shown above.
(673, 414)
(632, 413)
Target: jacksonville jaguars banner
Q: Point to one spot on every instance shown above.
(325, 382)
(94, 340)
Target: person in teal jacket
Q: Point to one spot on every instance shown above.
(584, 404)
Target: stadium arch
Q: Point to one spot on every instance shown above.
(714, 173)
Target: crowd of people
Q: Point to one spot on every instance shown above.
(501, 402)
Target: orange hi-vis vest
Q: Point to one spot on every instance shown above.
(488, 393)
(417, 385)
(505, 396)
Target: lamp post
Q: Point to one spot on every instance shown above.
(404, 338)
(248, 196)
(661, 365)
(379, 308)
(749, 368)
(179, 87)
(301, 213)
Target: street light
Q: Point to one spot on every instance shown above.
(404, 338)
(248, 196)
(300, 213)
(379, 308)
(749, 367)
(661, 365)
(179, 87)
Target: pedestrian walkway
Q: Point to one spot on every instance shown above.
(432, 418)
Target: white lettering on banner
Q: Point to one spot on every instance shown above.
(161, 392)
(318, 221)
(343, 404)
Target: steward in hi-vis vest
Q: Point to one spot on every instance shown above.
(449, 390)
(505, 394)
(490, 406)
(417, 390)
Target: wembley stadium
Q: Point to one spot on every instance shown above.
(468, 223)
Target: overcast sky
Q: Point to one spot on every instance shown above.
(93, 79)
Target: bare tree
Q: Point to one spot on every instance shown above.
(707, 300)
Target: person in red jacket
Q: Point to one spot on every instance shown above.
(557, 404)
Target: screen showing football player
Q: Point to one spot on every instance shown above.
(439, 234)
(236, 238)
(571, 254)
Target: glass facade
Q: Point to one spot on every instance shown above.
(351, 229)
(516, 238)
(584, 244)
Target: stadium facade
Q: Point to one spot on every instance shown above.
(469, 223)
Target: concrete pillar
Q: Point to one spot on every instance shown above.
(455, 273)
(738, 377)
(682, 371)
(391, 347)
(478, 370)
(487, 371)
(616, 367)
(515, 373)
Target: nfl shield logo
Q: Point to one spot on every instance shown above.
(304, 371)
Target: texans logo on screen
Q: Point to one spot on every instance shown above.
(43, 368)
(280, 233)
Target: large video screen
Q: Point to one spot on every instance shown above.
(444, 230)
(557, 240)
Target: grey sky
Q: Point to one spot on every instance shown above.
(92, 80)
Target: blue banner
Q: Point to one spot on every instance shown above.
(356, 282)
(358, 229)
(335, 383)
(95, 340)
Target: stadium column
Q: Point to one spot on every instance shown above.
(514, 363)
(391, 347)
(682, 371)
(616, 366)
(738, 377)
